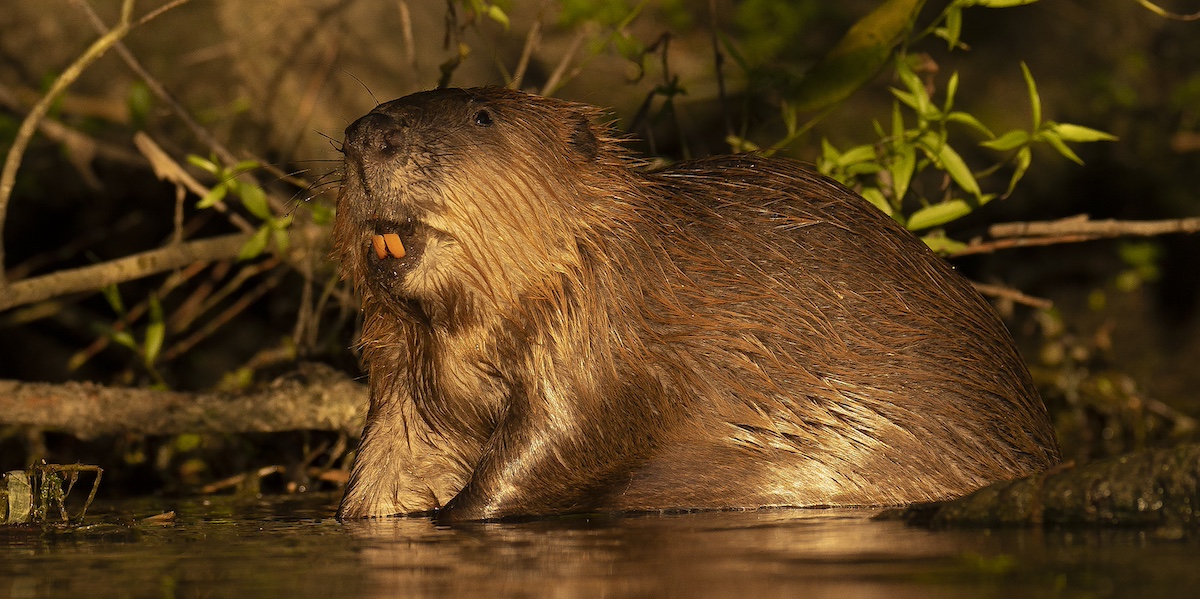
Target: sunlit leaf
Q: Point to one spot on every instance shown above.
(1035, 101)
(1002, 3)
(497, 14)
(938, 214)
(1011, 140)
(1021, 164)
(739, 144)
(876, 197)
(951, 162)
(953, 26)
(857, 154)
(943, 245)
(213, 196)
(903, 166)
(1051, 137)
(125, 339)
(1078, 133)
(203, 164)
(963, 118)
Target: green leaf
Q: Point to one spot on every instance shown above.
(497, 14)
(282, 241)
(856, 155)
(206, 165)
(1011, 140)
(938, 214)
(952, 30)
(1078, 133)
(243, 167)
(828, 152)
(1035, 101)
(902, 169)
(915, 87)
(943, 245)
(739, 144)
(789, 115)
(124, 338)
(876, 197)
(113, 296)
(963, 118)
(950, 161)
(909, 100)
(1023, 158)
(139, 101)
(1003, 3)
(855, 58)
(256, 244)
(156, 331)
(255, 200)
(951, 90)
(213, 196)
(1056, 142)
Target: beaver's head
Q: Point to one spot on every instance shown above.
(466, 199)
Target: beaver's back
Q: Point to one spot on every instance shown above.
(828, 356)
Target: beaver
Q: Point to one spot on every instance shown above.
(551, 327)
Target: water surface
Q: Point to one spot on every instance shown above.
(292, 547)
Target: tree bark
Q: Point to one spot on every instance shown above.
(317, 398)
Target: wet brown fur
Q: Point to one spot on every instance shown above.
(569, 332)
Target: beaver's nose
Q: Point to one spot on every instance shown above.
(374, 134)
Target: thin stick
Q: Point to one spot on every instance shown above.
(91, 278)
(531, 42)
(556, 77)
(718, 62)
(1082, 225)
(20, 143)
(1012, 294)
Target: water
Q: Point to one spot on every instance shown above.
(292, 547)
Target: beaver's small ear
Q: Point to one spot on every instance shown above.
(583, 139)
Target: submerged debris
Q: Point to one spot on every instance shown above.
(31, 495)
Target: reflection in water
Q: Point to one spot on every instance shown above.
(292, 548)
(759, 554)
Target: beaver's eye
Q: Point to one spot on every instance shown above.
(483, 118)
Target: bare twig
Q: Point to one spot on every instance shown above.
(1082, 225)
(163, 94)
(718, 62)
(531, 42)
(1011, 294)
(90, 278)
(159, 90)
(1162, 12)
(16, 152)
(406, 29)
(556, 77)
(987, 247)
(1074, 229)
(167, 169)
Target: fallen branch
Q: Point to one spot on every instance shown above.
(96, 276)
(320, 399)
